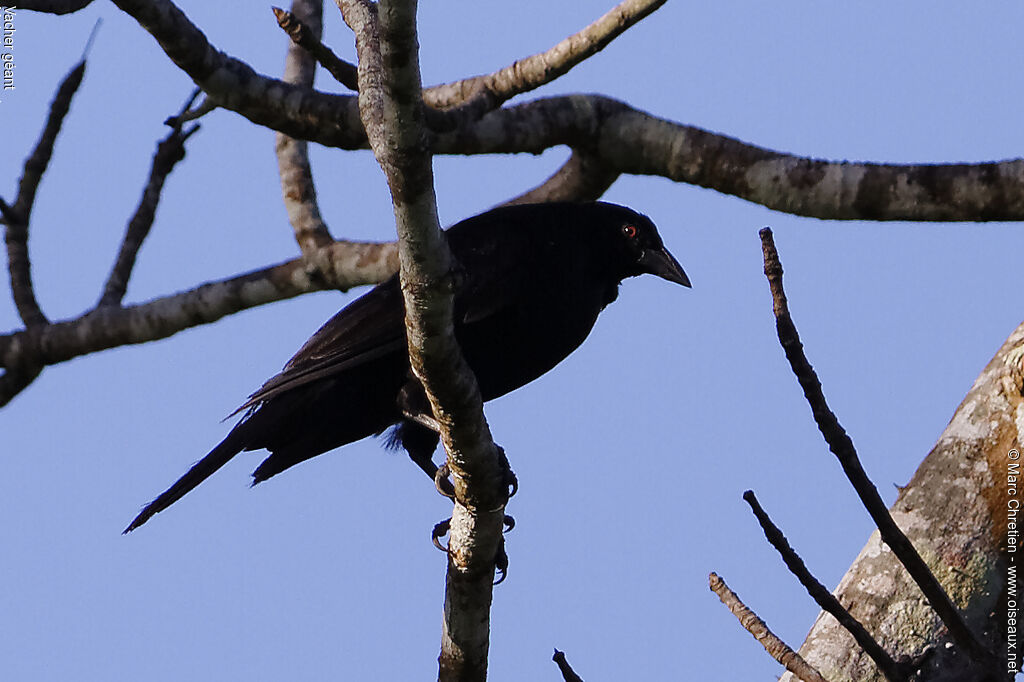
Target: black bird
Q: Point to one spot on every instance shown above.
(531, 282)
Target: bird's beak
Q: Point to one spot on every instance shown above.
(661, 263)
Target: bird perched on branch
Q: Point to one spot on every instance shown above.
(532, 280)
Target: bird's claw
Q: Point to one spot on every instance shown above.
(510, 480)
(440, 530)
(501, 561)
(441, 482)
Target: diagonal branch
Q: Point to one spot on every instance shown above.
(582, 178)
(536, 70)
(17, 216)
(456, 105)
(169, 152)
(842, 447)
(352, 264)
(825, 599)
(775, 647)
(304, 29)
(298, 111)
(297, 187)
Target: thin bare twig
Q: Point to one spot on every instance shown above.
(568, 674)
(539, 69)
(775, 647)
(456, 105)
(582, 178)
(891, 669)
(169, 152)
(18, 375)
(17, 218)
(842, 447)
(307, 36)
(297, 187)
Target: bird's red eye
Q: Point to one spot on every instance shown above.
(629, 230)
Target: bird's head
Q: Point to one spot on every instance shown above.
(636, 238)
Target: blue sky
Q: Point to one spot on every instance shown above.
(632, 455)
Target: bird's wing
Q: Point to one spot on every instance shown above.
(374, 325)
(368, 328)
(494, 273)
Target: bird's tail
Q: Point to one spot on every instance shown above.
(200, 471)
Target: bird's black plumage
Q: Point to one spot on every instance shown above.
(532, 280)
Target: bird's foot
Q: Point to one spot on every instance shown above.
(510, 480)
(425, 420)
(440, 530)
(443, 483)
(500, 558)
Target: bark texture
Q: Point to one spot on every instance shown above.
(955, 511)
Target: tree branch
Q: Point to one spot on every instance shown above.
(842, 447)
(454, 105)
(169, 152)
(890, 668)
(14, 380)
(630, 141)
(305, 31)
(627, 141)
(300, 112)
(775, 647)
(297, 187)
(54, 6)
(582, 178)
(17, 216)
(568, 674)
(392, 111)
(352, 264)
(540, 69)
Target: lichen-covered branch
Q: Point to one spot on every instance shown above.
(536, 70)
(454, 105)
(392, 110)
(297, 188)
(955, 511)
(630, 141)
(750, 621)
(625, 140)
(841, 445)
(352, 264)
